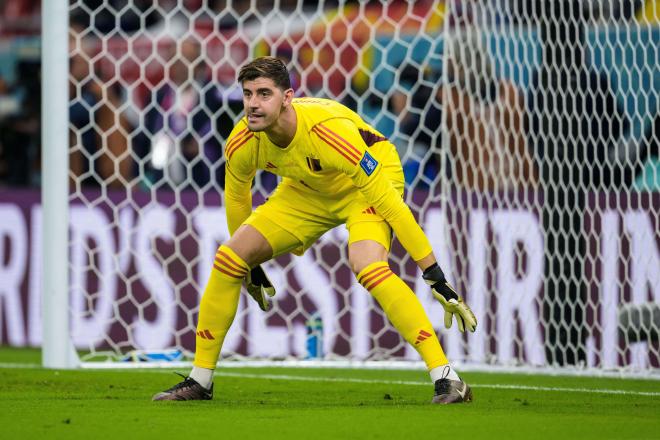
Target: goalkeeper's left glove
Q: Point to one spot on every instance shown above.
(259, 286)
(451, 302)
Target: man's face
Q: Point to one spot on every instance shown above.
(263, 102)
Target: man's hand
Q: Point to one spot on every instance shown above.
(259, 287)
(451, 302)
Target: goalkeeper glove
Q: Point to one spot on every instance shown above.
(258, 286)
(451, 302)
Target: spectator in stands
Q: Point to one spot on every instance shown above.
(98, 123)
(7, 106)
(179, 138)
(520, 11)
(485, 121)
(100, 15)
(646, 156)
(573, 136)
(630, 161)
(20, 17)
(574, 121)
(417, 103)
(20, 126)
(649, 12)
(20, 99)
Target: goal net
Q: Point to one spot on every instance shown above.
(528, 132)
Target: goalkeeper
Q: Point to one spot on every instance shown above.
(336, 169)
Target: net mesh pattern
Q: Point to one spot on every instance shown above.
(528, 133)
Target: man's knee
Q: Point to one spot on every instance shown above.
(363, 253)
(250, 245)
(358, 266)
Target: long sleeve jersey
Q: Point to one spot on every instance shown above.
(333, 154)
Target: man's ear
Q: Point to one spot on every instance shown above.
(288, 97)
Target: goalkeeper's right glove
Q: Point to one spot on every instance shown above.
(259, 287)
(451, 302)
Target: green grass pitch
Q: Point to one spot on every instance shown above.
(288, 403)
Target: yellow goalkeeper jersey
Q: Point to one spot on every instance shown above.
(333, 154)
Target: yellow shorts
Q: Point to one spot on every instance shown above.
(292, 219)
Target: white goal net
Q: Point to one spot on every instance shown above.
(528, 131)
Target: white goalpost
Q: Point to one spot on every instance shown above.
(528, 135)
(57, 350)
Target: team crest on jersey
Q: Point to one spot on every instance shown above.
(368, 163)
(313, 164)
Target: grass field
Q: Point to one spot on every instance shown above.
(287, 403)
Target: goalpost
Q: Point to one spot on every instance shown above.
(526, 133)
(57, 350)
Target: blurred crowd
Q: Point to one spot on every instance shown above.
(20, 97)
(566, 128)
(153, 97)
(163, 124)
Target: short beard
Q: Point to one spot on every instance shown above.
(257, 130)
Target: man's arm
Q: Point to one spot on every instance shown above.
(238, 199)
(412, 237)
(388, 203)
(349, 154)
(365, 171)
(238, 205)
(240, 170)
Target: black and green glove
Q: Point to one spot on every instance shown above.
(451, 302)
(259, 287)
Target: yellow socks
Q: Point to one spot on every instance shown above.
(404, 311)
(218, 306)
(220, 301)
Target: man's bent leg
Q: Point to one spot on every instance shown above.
(246, 248)
(368, 259)
(368, 249)
(397, 300)
(217, 310)
(218, 305)
(251, 245)
(216, 313)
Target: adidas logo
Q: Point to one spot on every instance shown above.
(461, 392)
(205, 334)
(422, 336)
(369, 210)
(270, 165)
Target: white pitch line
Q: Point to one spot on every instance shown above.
(10, 365)
(428, 384)
(222, 373)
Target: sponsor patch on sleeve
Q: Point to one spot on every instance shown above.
(368, 163)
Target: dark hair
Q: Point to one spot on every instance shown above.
(266, 67)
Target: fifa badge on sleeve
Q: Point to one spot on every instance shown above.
(368, 163)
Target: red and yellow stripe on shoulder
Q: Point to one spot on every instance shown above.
(237, 141)
(338, 143)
